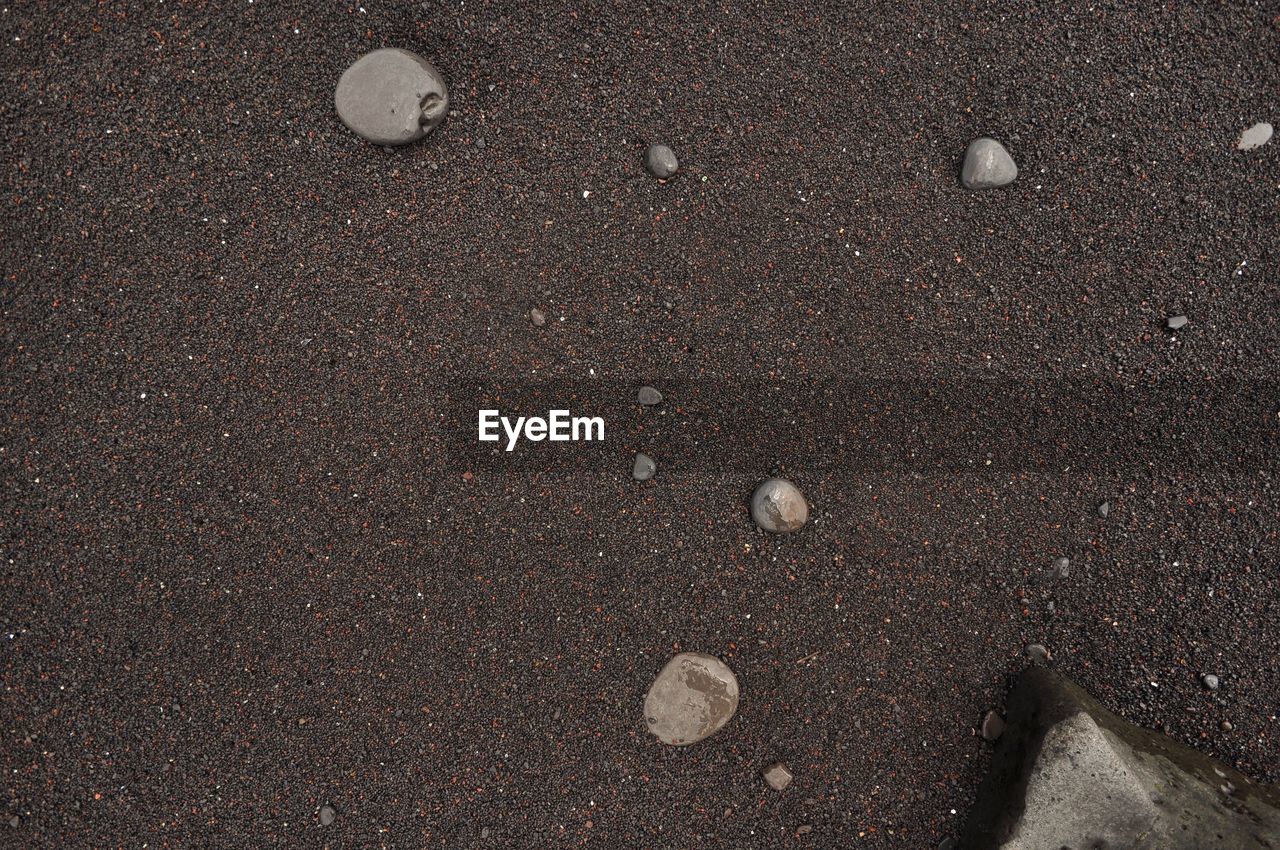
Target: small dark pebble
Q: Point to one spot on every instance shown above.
(947, 844)
(992, 726)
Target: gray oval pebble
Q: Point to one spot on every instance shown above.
(648, 396)
(661, 161)
(1174, 323)
(1210, 681)
(391, 97)
(327, 814)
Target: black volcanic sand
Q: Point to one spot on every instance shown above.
(289, 577)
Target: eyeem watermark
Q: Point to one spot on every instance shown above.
(558, 427)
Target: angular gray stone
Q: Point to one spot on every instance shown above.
(661, 161)
(1255, 137)
(648, 396)
(693, 696)
(1038, 652)
(777, 505)
(391, 97)
(778, 775)
(987, 165)
(644, 468)
(538, 317)
(1104, 510)
(1174, 323)
(1062, 566)
(1069, 773)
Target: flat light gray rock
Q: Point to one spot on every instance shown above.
(1255, 137)
(661, 161)
(644, 468)
(777, 505)
(693, 697)
(1067, 773)
(391, 97)
(987, 165)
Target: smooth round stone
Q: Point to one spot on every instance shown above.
(391, 97)
(661, 161)
(1210, 681)
(987, 165)
(693, 697)
(327, 815)
(1255, 137)
(778, 506)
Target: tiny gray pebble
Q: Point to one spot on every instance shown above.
(1037, 652)
(1173, 323)
(14, 821)
(644, 467)
(480, 144)
(1210, 681)
(648, 396)
(1226, 726)
(1062, 566)
(1104, 509)
(661, 161)
(804, 829)
(327, 814)
(538, 317)
(987, 165)
(484, 833)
